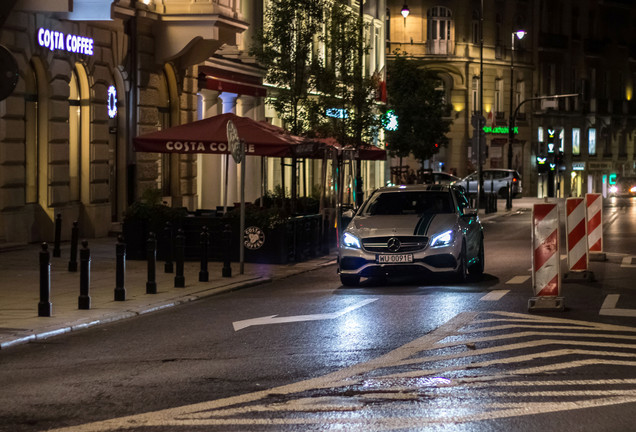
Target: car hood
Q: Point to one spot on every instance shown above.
(403, 225)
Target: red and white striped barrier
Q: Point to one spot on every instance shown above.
(546, 271)
(575, 226)
(594, 204)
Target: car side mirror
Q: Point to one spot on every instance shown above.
(348, 214)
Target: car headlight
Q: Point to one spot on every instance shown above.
(442, 239)
(351, 241)
(613, 189)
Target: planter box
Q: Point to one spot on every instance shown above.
(298, 239)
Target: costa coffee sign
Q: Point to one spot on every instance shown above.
(55, 40)
(200, 147)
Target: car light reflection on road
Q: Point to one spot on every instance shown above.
(352, 332)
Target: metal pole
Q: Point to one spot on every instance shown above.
(204, 276)
(480, 161)
(44, 306)
(58, 233)
(511, 125)
(242, 218)
(120, 270)
(84, 299)
(179, 278)
(72, 263)
(151, 255)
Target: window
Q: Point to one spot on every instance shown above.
(475, 94)
(521, 88)
(498, 95)
(476, 39)
(439, 30)
(576, 141)
(591, 141)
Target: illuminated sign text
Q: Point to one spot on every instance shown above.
(55, 40)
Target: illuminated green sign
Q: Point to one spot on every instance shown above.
(499, 130)
(612, 178)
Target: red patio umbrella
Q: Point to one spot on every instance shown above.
(363, 152)
(210, 136)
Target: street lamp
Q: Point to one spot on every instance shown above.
(519, 34)
(405, 11)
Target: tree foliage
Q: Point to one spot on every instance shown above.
(342, 83)
(312, 51)
(420, 109)
(284, 47)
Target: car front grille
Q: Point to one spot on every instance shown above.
(407, 244)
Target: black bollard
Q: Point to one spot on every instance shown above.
(120, 275)
(58, 233)
(509, 197)
(204, 276)
(44, 306)
(227, 242)
(179, 279)
(72, 262)
(151, 255)
(167, 234)
(84, 299)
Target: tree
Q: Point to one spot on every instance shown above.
(420, 109)
(284, 47)
(342, 84)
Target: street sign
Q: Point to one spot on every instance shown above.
(233, 142)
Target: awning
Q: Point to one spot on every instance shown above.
(363, 152)
(210, 136)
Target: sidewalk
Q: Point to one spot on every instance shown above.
(20, 289)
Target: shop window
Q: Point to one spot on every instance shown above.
(591, 141)
(576, 141)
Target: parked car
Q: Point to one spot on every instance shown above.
(444, 178)
(412, 229)
(495, 180)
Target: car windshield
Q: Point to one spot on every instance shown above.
(408, 202)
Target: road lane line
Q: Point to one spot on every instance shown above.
(518, 280)
(609, 307)
(494, 295)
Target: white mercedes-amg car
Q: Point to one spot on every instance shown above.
(413, 228)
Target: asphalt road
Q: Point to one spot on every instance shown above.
(307, 354)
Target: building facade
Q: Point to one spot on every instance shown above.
(570, 47)
(93, 74)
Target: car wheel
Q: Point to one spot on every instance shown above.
(477, 269)
(350, 280)
(462, 270)
(503, 192)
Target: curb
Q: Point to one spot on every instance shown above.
(132, 313)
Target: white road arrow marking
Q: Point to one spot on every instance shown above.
(275, 319)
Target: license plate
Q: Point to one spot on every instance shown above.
(393, 259)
